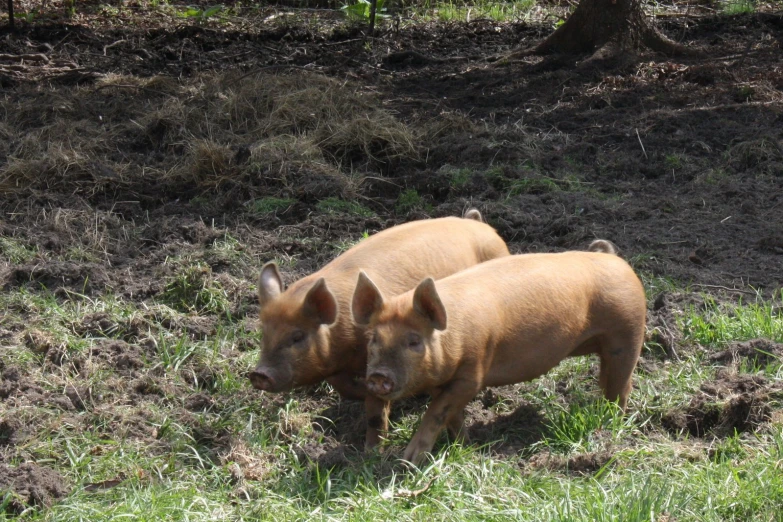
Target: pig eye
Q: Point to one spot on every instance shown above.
(297, 337)
(414, 341)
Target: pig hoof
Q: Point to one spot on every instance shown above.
(413, 456)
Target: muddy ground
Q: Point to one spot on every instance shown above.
(126, 142)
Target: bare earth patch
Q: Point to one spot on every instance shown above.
(732, 403)
(31, 485)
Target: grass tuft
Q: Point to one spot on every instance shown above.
(718, 324)
(195, 290)
(16, 252)
(335, 205)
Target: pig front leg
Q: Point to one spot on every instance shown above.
(377, 414)
(456, 424)
(445, 409)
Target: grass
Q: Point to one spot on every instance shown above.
(194, 289)
(525, 179)
(719, 325)
(458, 177)
(271, 205)
(15, 251)
(737, 7)
(237, 454)
(569, 428)
(463, 480)
(341, 246)
(169, 417)
(341, 206)
(409, 200)
(452, 11)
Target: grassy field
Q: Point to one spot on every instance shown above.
(176, 433)
(151, 162)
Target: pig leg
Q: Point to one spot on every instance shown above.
(619, 355)
(377, 412)
(348, 386)
(456, 428)
(449, 404)
(455, 424)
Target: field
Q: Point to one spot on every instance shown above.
(151, 160)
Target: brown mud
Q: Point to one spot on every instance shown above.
(31, 485)
(733, 403)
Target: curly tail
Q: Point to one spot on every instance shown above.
(603, 246)
(473, 213)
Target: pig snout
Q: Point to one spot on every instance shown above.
(262, 379)
(380, 382)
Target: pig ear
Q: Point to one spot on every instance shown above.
(320, 303)
(367, 300)
(426, 302)
(270, 284)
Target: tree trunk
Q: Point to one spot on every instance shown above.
(598, 25)
(11, 14)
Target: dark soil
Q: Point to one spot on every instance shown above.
(30, 484)
(698, 200)
(758, 352)
(580, 464)
(730, 404)
(662, 321)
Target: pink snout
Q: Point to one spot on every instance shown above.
(261, 379)
(380, 382)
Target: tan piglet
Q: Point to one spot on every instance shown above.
(501, 322)
(308, 333)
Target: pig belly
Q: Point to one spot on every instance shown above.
(525, 363)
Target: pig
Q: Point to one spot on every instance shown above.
(308, 333)
(501, 322)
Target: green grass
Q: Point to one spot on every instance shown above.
(409, 200)
(569, 428)
(80, 254)
(720, 324)
(237, 455)
(15, 251)
(471, 10)
(459, 177)
(341, 206)
(271, 205)
(341, 246)
(737, 7)
(652, 485)
(525, 179)
(673, 161)
(194, 289)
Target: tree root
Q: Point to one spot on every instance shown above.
(655, 41)
(603, 33)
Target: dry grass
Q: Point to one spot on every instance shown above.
(307, 131)
(762, 155)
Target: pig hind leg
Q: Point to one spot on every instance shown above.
(619, 354)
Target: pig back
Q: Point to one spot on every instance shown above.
(398, 258)
(522, 314)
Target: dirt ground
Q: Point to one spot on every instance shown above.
(131, 141)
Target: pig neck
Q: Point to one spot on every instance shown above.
(454, 347)
(343, 346)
